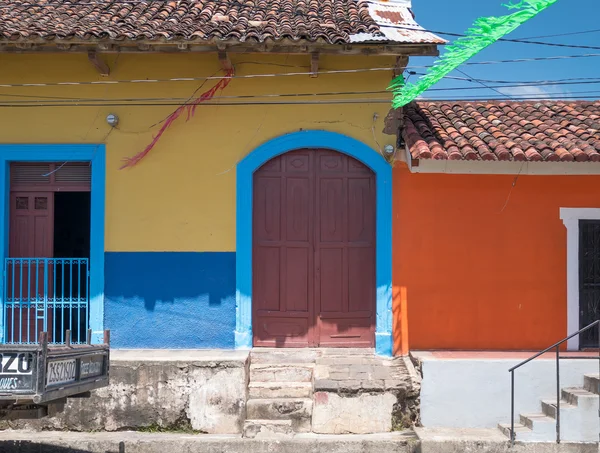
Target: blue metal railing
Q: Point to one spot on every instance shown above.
(46, 295)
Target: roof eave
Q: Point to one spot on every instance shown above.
(208, 46)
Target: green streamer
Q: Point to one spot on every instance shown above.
(484, 32)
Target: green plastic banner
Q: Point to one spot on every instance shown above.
(484, 32)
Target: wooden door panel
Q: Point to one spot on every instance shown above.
(361, 211)
(267, 279)
(361, 279)
(267, 201)
(331, 210)
(331, 279)
(344, 332)
(297, 285)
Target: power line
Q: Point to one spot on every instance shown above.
(524, 97)
(564, 34)
(508, 84)
(520, 41)
(281, 74)
(576, 95)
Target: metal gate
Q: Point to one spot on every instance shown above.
(46, 295)
(589, 280)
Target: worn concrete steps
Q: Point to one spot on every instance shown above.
(578, 416)
(280, 393)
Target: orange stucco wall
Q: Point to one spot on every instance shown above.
(478, 276)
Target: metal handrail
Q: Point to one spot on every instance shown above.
(558, 389)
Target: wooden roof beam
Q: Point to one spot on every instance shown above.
(98, 63)
(314, 64)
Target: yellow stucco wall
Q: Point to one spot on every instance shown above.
(181, 197)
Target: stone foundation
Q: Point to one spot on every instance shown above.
(202, 391)
(265, 393)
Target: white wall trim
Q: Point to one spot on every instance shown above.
(478, 167)
(571, 218)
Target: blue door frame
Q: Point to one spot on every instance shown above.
(244, 187)
(96, 155)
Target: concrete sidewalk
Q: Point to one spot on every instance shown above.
(133, 442)
(488, 440)
(422, 440)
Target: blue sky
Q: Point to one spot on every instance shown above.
(565, 16)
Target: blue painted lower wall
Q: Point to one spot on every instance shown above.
(170, 299)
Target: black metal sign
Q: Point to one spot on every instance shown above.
(41, 373)
(17, 371)
(72, 370)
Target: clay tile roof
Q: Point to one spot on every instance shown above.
(329, 21)
(500, 130)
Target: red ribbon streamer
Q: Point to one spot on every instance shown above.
(191, 109)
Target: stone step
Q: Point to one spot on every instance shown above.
(277, 356)
(592, 383)
(544, 429)
(574, 395)
(298, 410)
(519, 429)
(535, 422)
(267, 429)
(296, 372)
(549, 407)
(280, 390)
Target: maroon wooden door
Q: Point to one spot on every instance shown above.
(31, 233)
(314, 251)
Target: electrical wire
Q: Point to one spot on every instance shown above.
(284, 74)
(506, 84)
(540, 97)
(596, 30)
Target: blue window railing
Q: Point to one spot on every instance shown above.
(46, 295)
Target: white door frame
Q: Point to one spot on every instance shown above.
(571, 218)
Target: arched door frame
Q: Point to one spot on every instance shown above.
(383, 261)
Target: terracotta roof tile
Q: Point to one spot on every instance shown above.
(329, 21)
(499, 130)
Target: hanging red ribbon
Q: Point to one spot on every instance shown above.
(191, 109)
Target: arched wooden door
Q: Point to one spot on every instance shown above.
(314, 251)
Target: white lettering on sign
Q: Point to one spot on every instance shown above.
(8, 383)
(16, 363)
(90, 368)
(61, 372)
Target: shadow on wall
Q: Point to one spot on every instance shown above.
(170, 299)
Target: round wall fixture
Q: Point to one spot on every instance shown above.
(112, 120)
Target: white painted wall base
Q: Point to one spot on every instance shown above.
(475, 393)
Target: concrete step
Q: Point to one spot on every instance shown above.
(298, 410)
(549, 407)
(278, 356)
(293, 372)
(280, 390)
(519, 429)
(591, 382)
(533, 428)
(575, 395)
(538, 422)
(267, 429)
